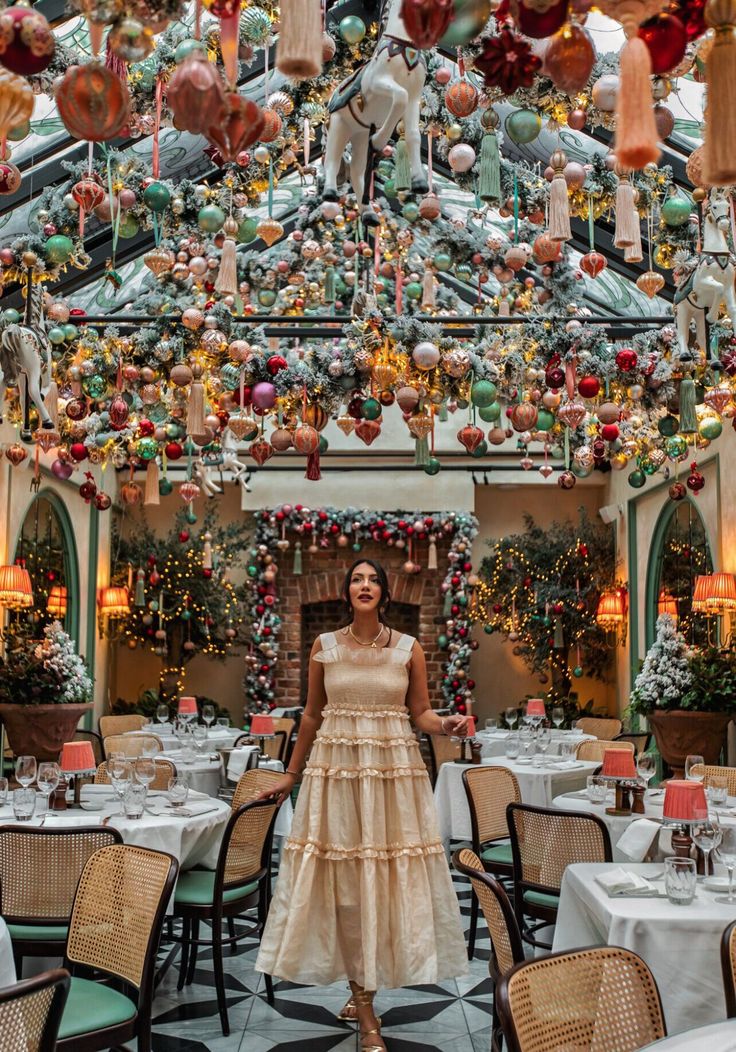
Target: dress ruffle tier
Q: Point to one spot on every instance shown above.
(364, 890)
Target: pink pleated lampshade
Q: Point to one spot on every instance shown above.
(618, 763)
(684, 801)
(77, 757)
(262, 725)
(187, 706)
(535, 707)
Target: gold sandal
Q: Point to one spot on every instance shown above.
(349, 1011)
(363, 999)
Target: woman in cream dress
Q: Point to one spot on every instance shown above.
(364, 891)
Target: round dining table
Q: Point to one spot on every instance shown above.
(217, 737)
(718, 1037)
(493, 743)
(202, 771)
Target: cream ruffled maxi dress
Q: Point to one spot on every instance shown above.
(364, 890)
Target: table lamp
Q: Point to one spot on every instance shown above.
(619, 767)
(684, 804)
(261, 726)
(187, 708)
(535, 707)
(77, 758)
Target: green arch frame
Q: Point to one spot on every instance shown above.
(71, 556)
(655, 547)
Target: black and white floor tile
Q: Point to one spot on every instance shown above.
(453, 1016)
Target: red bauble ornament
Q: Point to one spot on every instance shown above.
(26, 42)
(240, 125)
(195, 94)
(119, 412)
(306, 439)
(93, 102)
(695, 480)
(555, 378)
(470, 437)
(626, 360)
(588, 386)
(677, 492)
(592, 263)
(568, 61)
(610, 432)
(146, 428)
(461, 98)
(78, 451)
(666, 38)
(507, 62)
(368, 431)
(174, 451)
(276, 363)
(88, 194)
(261, 451)
(88, 489)
(524, 416)
(692, 15)
(103, 501)
(426, 21)
(10, 177)
(537, 20)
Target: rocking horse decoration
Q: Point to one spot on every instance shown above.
(366, 108)
(24, 348)
(706, 281)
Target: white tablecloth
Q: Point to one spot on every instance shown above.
(217, 738)
(680, 944)
(494, 743)
(720, 1037)
(538, 786)
(203, 773)
(7, 965)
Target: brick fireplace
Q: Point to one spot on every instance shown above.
(311, 603)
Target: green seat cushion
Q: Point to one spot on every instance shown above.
(39, 932)
(196, 887)
(538, 898)
(93, 1006)
(498, 853)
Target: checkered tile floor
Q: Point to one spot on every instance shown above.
(453, 1016)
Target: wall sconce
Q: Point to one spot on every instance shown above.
(56, 604)
(114, 605)
(611, 613)
(16, 591)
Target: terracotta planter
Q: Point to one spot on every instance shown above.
(681, 733)
(41, 730)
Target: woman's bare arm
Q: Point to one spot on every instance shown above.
(417, 701)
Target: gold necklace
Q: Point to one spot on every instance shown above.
(372, 642)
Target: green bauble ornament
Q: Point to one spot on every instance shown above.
(483, 393)
(577, 672)
(94, 386)
(488, 629)
(146, 448)
(647, 466)
(357, 546)
(59, 248)
(676, 447)
(545, 420)
(324, 445)
(165, 487)
(252, 571)
(352, 29)
(385, 169)
(668, 426)
(464, 272)
(371, 409)
(247, 231)
(442, 642)
(255, 25)
(382, 299)
(710, 428)
(414, 290)
(156, 197)
(410, 211)
(210, 218)
(10, 316)
(676, 210)
(186, 615)
(468, 20)
(480, 450)
(128, 225)
(266, 297)
(489, 414)
(442, 261)
(523, 126)
(389, 188)
(581, 471)
(56, 335)
(637, 479)
(70, 332)
(432, 466)
(185, 48)
(191, 517)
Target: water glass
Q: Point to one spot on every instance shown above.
(544, 740)
(145, 770)
(694, 761)
(49, 776)
(24, 804)
(513, 746)
(679, 880)
(120, 773)
(178, 792)
(491, 725)
(726, 852)
(567, 751)
(3, 791)
(223, 721)
(199, 736)
(150, 747)
(25, 770)
(717, 791)
(597, 788)
(134, 800)
(187, 749)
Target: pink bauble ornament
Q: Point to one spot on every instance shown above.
(461, 157)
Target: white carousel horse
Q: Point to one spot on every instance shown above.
(711, 281)
(203, 478)
(23, 346)
(231, 462)
(366, 108)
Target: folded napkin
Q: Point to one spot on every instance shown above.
(638, 838)
(62, 821)
(622, 882)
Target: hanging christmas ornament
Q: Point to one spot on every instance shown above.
(261, 451)
(368, 430)
(569, 59)
(269, 230)
(461, 157)
(301, 40)
(507, 62)
(16, 102)
(195, 94)
(239, 125)
(130, 40)
(461, 98)
(93, 102)
(469, 18)
(470, 437)
(572, 414)
(593, 264)
(666, 39)
(720, 118)
(26, 42)
(559, 206)
(426, 21)
(523, 126)
(538, 20)
(695, 480)
(650, 283)
(10, 177)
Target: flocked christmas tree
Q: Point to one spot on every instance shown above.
(666, 674)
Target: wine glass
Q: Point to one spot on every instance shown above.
(558, 716)
(208, 714)
(726, 851)
(199, 736)
(646, 767)
(25, 770)
(49, 776)
(693, 761)
(544, 740)
(706, 834)
(162, 713)
(145, 770)
(149, 748)
(512, 716)
(120, 773)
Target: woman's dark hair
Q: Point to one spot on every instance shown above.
(385, 600)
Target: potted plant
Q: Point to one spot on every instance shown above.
(688, 696)
(45, 689)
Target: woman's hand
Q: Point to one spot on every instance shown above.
(455, 726)
(278, 791)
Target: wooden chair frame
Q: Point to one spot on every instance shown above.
(434, 765)
(57, 978)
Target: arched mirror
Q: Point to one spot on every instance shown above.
(46, 548)
(680, 554)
